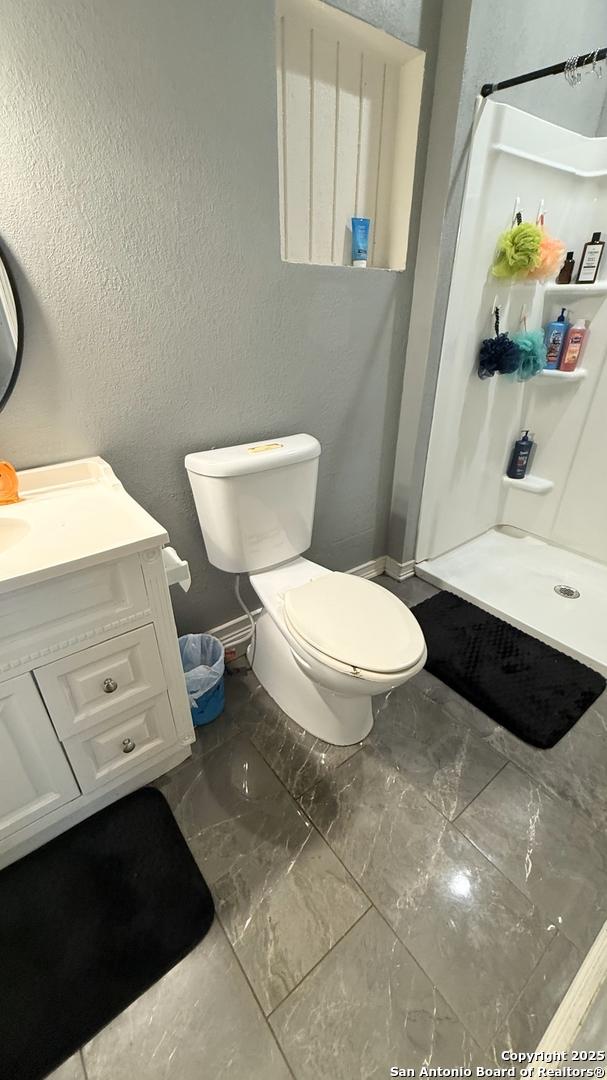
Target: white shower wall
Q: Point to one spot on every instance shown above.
(476, 422)
(570, 427)
(581, 517)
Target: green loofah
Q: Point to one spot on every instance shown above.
(518, 251)
(532, 351)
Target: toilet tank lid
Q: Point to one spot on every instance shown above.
(254, 457)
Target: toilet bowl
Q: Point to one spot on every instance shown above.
(326, 642)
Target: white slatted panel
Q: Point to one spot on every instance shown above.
(350, 66)
(340, 118)
(297, 94)
(370, 121)
(322, 160)
(282, 118)
(380, 237)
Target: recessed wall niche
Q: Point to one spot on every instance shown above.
(348, 112)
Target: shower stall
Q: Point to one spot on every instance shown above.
(531, 551)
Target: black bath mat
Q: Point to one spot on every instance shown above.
(533, 690)
(87, 923)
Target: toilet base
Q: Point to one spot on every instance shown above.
(334, 718)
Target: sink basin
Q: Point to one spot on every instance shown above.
(12, 530)
(70, 515)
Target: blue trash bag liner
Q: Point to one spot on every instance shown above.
(202, 659)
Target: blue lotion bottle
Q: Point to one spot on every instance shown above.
(554, 339)
(360, 240)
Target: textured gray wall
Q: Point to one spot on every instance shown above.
(503, 40)
(139, 205)
(508, 39)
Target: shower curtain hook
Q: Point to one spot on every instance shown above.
(597, 67)
(495, 314)
(523, 319)
(570, 71)
(516, 211)
(539, 220)
(577, 74)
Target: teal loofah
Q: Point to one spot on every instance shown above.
(518, 251)
(532, 352)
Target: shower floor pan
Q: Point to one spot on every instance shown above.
(514, 576)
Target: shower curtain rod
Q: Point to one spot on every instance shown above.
(554, 69)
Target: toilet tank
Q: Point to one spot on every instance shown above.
(255, 501)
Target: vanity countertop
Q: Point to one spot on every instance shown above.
(70, 515)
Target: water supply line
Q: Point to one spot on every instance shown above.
(249, 615)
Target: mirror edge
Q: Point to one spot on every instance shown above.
(17, 365)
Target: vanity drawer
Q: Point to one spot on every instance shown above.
(102, 755)
(44, 621)
(99, 683)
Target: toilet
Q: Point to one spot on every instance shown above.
(325, 642)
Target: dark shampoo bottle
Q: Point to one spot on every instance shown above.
(519, 459)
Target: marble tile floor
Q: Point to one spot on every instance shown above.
(426, 896)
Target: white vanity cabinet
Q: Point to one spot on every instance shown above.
(35, 775)
(92, 694)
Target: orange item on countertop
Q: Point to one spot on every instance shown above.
(9, 484)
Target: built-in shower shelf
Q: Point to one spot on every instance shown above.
(564, 376)
(599, 288)
(537, 485)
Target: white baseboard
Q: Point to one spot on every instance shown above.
(236, 634)
(398, 570)
(370, 569)
(569, 1017)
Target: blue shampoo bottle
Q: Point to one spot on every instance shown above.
(554, 338)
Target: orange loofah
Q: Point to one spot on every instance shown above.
(552, 253)
(9, 484)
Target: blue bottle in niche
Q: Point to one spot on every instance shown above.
(519, 459)
(554, 339)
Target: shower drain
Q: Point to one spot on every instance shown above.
(567, 591)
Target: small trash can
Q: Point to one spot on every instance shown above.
(203, 663)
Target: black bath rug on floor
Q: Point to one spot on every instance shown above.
(87, 923)
(533, 690)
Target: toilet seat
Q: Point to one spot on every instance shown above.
(354, 625)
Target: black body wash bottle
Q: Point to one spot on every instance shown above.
(519, 460)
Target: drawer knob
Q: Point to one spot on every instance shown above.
(128, 746)
(109, 685)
